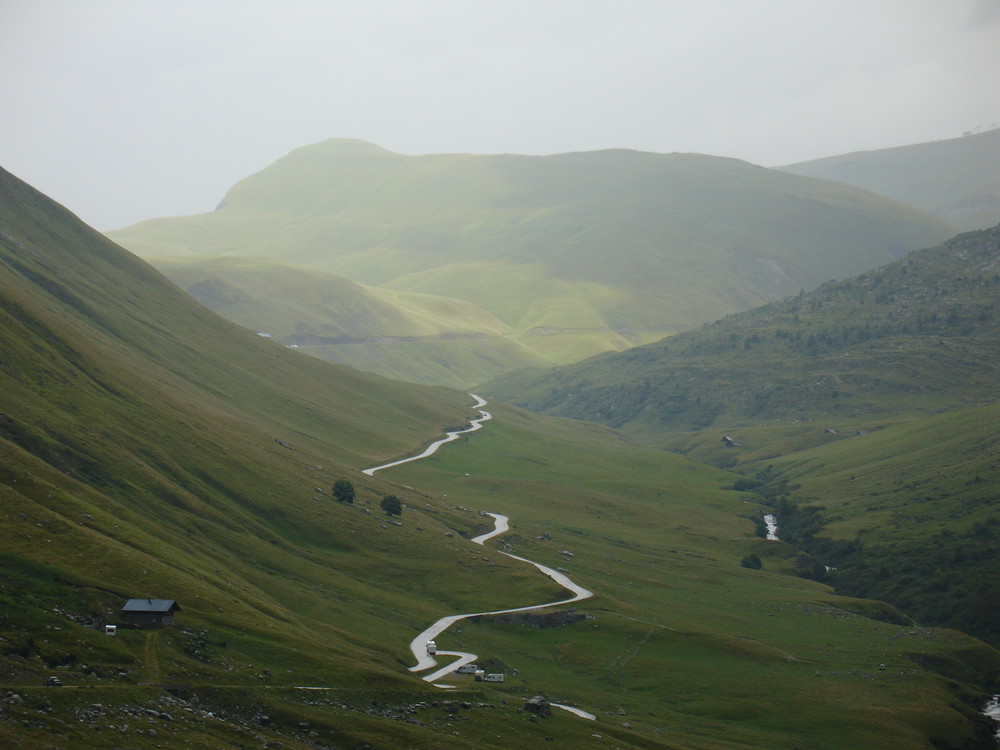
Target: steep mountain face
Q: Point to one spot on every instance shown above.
(956, 180)
(576, 253)
(921, 335)
(101, 309)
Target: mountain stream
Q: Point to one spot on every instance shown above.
(771, 522)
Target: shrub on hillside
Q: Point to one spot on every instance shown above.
(343, 491)
(391, 505)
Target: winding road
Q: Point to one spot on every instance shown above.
(474, 425)
(418, 646)
(501, 524)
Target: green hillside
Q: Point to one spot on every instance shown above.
(955, 180)
(706, 652)
(918, 336)
(292, 301)
(864, 414)
(581, 252)
(413, 337)
(149, 448)
(906, 514)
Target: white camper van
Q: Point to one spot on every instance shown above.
(432, 648)
(495, 677)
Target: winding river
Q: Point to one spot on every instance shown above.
(992, 710)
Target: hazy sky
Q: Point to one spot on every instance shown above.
(128, 109)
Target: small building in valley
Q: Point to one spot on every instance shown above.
(539, 705)
(150, 613)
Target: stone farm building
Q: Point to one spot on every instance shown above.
(150, 613)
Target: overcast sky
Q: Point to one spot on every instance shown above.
(124, 110)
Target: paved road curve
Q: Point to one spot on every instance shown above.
(474, 425)
(418, 646)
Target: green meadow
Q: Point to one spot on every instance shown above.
(149, 448)
(863, 415)
(685, 644)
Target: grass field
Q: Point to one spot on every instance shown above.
(683, 638)
(150, 449)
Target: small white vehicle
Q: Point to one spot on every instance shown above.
(494, 677)
(467, 669)
(432, 648)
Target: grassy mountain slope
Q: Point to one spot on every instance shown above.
(140, 456)
(864, 414)
(621, 243)
(684, 639)
(294, 301)
(907, 514)
(955, 179)
(149, 448)
(920, 335)
(413, 337)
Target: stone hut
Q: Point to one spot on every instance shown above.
(150, 613)
(539, 705)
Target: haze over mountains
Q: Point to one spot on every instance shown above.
(574, 254)
(149, 448)
(415, 337)
(956, 180)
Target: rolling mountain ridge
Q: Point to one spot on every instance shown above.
(575, 253)
(956, 179)
(415, 337)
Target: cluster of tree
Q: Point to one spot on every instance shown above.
(800, 524)
(391, 505)
(343, 492)
(949, 579)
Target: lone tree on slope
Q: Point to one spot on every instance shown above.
(343, 491)
(391, 505)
